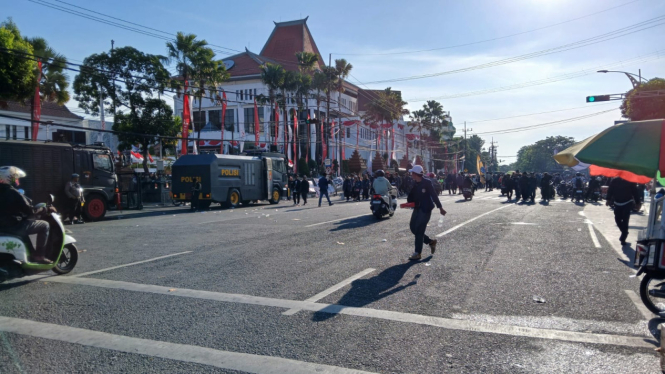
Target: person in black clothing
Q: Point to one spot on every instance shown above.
(303, 187)
(533, 185)
(622, 193)
(594, 183)
(295, 190)
(323, 189)
(365, 186)
(545, 186)
(424, 196)
(16, 210)
(450, 184)
(196, 190)
(347, 187)
(509, 183)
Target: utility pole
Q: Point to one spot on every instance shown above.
(465, 145)
(112, 45)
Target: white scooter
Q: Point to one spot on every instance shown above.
(15, 250)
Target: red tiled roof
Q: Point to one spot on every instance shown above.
(48, 109)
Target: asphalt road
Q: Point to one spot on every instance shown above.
(512, 288)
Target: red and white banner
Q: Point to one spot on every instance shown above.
(276, 122)
(37, 105)
(223, 129)
(256, 124)
(185, 121)
(295, 141)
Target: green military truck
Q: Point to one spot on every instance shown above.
(230, 180)
(49, 167)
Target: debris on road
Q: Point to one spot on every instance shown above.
(538, 299)
(340, 243)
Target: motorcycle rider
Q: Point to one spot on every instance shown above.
(15, 210)
(593, 184)
(578, 183)
(382, 186)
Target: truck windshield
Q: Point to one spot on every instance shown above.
(102, 162)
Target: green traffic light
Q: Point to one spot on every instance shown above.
(592, 99)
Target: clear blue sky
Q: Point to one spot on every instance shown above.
(350, 29)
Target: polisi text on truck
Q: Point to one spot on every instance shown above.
(228, 172)
(190, 179)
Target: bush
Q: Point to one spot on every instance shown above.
(303, 168)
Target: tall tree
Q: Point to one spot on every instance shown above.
(387, 107)
(272, 76)
(643, 108)
(183, 51)
(53, 84)
(537, 157)
(142, 125)
(206, 77)
(17, 67)
(138, 76)
(343, 69)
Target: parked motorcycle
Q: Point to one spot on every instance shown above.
(380, 206)
(15, 250)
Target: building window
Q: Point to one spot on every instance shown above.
(215, 118)
(229, 120)
(249, 120)
(348, 133)
(199, 120)
(255, 92)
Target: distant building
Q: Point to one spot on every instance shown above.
(245, 85)
(20, 128)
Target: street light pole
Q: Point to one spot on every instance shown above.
(631, 76)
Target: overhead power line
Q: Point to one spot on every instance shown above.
(491, 39)
(640, 26)
(546, 124)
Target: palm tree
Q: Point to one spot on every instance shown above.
(387, 107)
(207, 75)
(343, 70)
(290, 85)
(183, 52)
(53, 83)
(307, 61)
(330, 74)
(418, 122)
(272, 76)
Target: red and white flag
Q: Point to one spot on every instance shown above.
(185, 121)
(223, 118)
(256, 124)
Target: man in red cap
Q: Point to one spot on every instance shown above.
(425, 197)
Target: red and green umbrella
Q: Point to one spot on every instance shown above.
(632, 150)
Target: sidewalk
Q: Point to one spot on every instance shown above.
(602, 218)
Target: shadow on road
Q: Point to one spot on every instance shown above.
(367, 291)
(357, 222)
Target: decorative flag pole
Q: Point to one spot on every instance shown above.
(37, 105)
(185, 122)
(223, 129)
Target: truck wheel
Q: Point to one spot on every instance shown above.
(233, 201)
(275, 196)
(95, 208)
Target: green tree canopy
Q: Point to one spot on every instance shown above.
(641, 109)
(138, 77)
(17, 67)
(537, 157)
(141, 126)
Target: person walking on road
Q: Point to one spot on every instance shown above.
(424, 196)
(196, 190)
(75, 194)
(323, 189)
(365, 185)
(295, 191)
(622, 193)
(459, 181)
(346, 187)
(304, 189)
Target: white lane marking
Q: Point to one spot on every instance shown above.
(469, 221)
(154, 348)
(130, 264)
(336, 220)
(639, 305)
(332, 289)
(593, 235)
(524, 223)
(445, 323)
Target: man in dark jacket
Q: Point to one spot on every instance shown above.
(459, 180)
(545, 188)
(347, 186)
(450, 184)
(424, 196)
(533, 185)
(622, 193)
(323, 189)
(16, 210)
(303, 188)
(295, 190)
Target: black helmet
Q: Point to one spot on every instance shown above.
(379, 173)
(579, 174)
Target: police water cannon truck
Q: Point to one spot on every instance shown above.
(230, 180)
